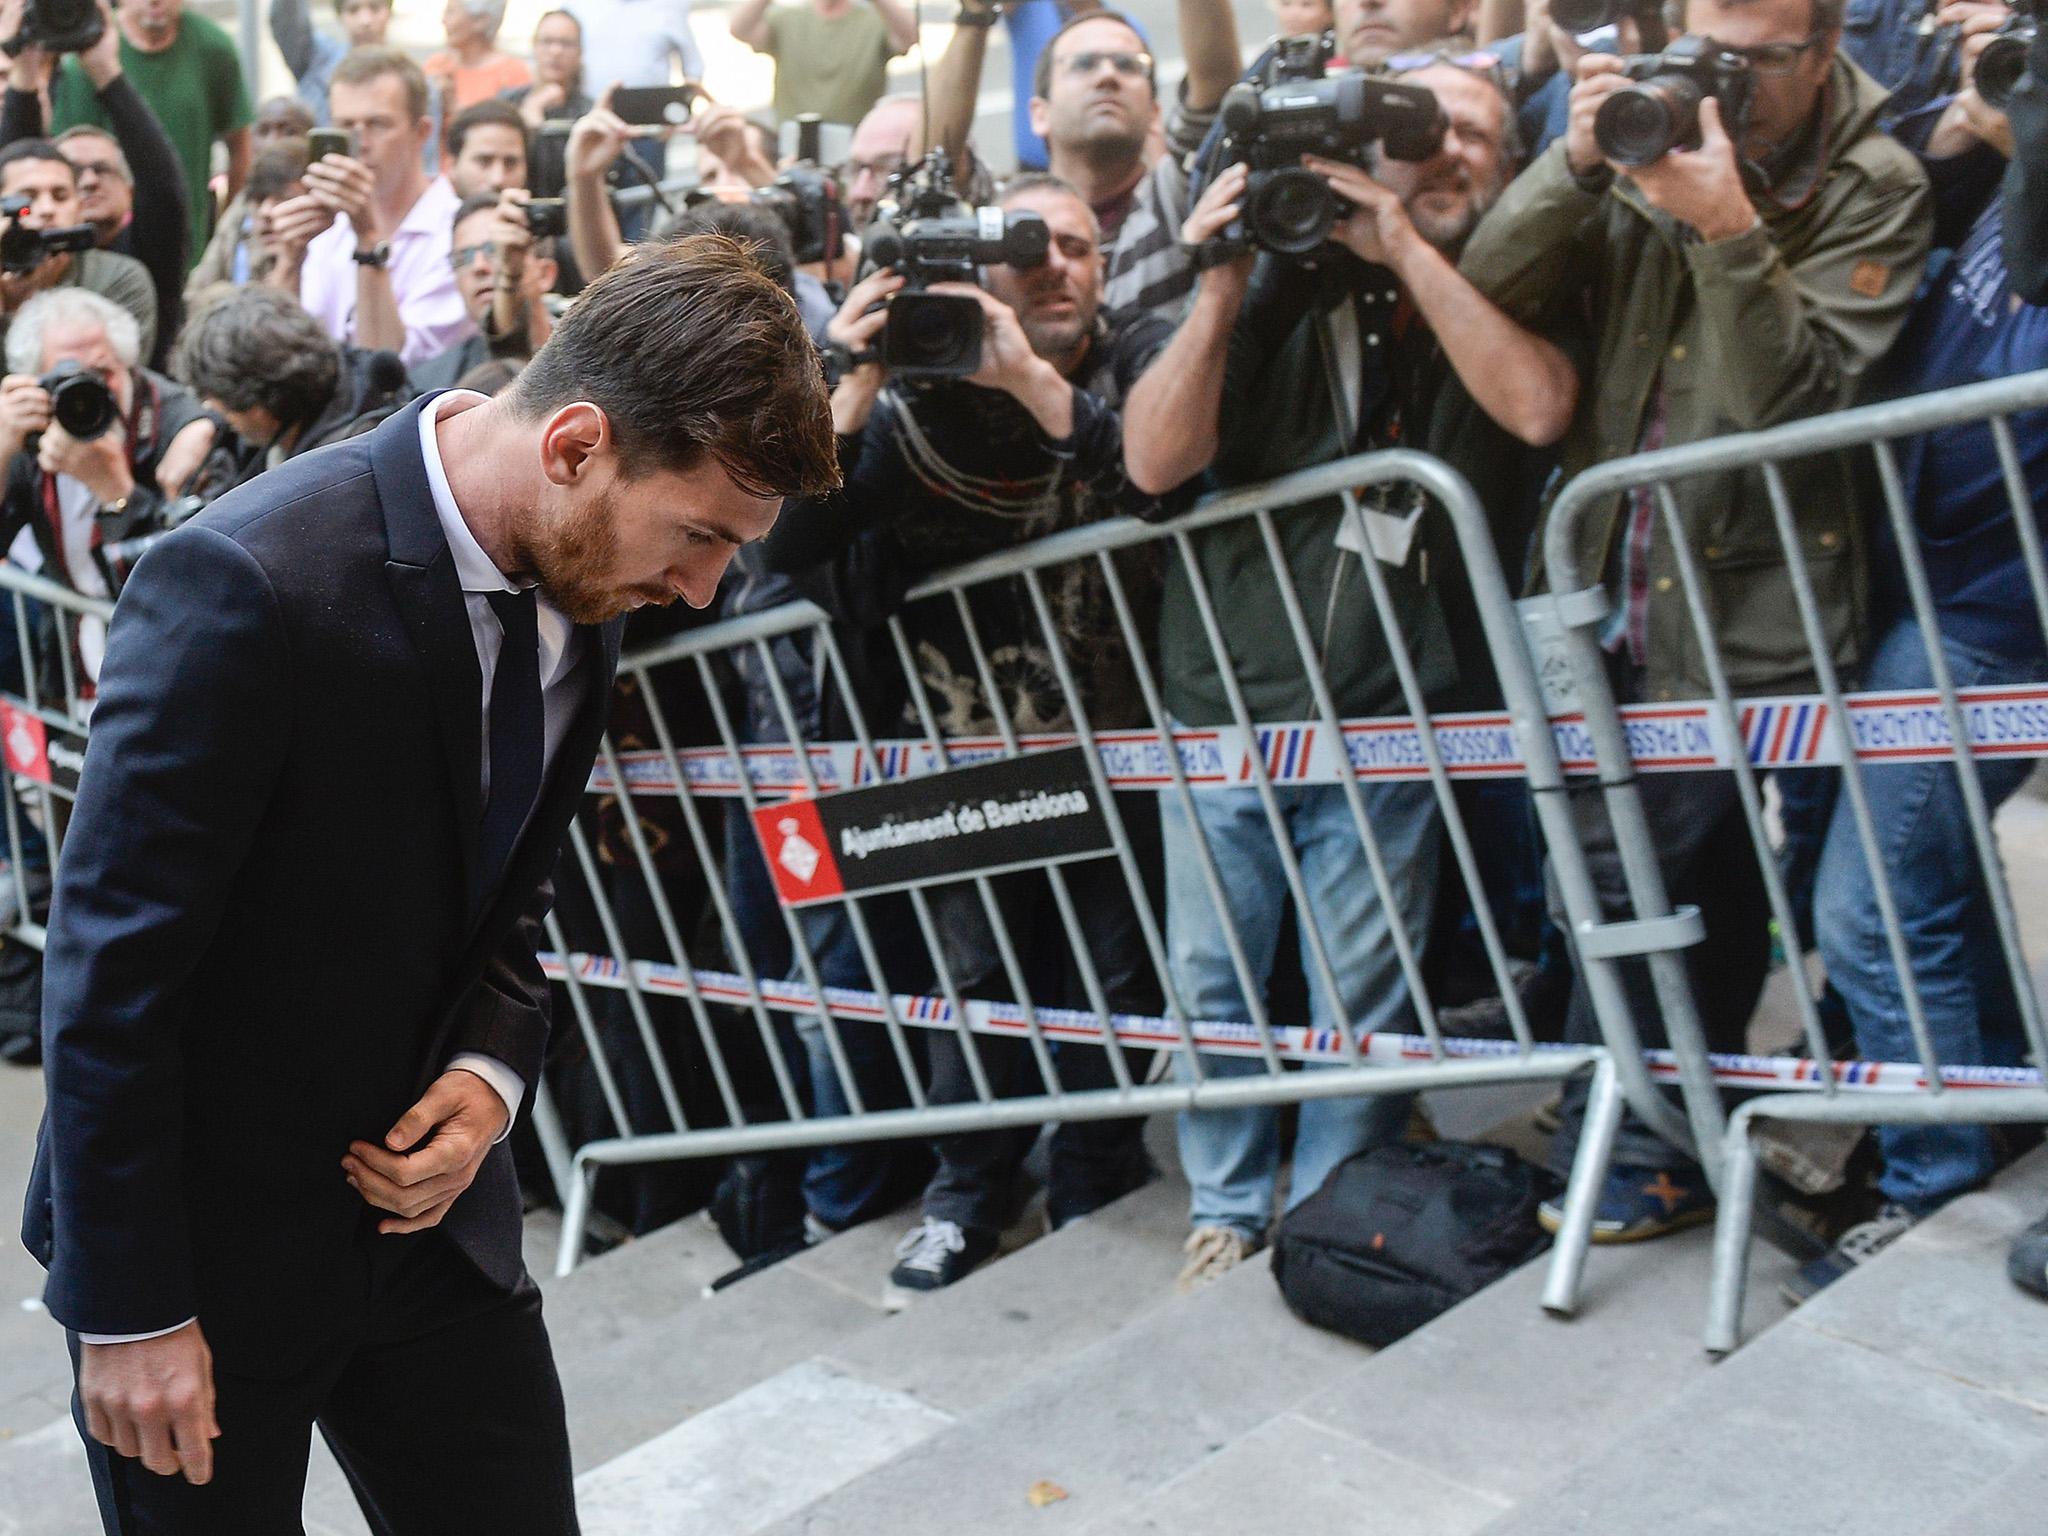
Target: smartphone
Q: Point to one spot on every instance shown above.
(547, 216)
(322, 142)
(654, 105)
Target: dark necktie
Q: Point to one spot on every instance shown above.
(518, 740)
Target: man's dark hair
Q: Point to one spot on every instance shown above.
(491, 112)
(275, 167)
(35, 149)
(338, 4)
(568, 16)
(359, 66)
(1828, 15)
(1041, 79)
(690, 349)
(255, 346)
(760, 234)
(487, 202)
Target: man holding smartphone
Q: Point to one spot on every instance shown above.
(366, 248)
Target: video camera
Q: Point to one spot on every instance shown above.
(117, 555)
(2004, 58)
(57, 26)
(1300, 108)
(928, 235)
(1643, 122)
(806, 200)
(22, 249)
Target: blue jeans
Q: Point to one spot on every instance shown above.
(1930, 861)
(1232, 1156)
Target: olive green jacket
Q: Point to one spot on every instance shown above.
(1763, 328)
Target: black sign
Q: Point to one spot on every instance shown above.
(1017, 813)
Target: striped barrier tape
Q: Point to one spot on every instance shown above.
(1791, 732)
(1293, 1042)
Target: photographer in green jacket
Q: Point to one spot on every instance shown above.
(1746, 282)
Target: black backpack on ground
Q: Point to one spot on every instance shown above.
(1401, 1234)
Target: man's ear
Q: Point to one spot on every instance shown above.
(1041, 115)
(572, 440)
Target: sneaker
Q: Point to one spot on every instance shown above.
(1213, 1252)
(1639, 1203)
(933, 1255)
(2027, 1263)
(1861, 1243)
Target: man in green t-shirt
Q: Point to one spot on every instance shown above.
(830, 55)
(186, 69)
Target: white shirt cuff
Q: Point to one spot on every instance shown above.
(507, 1084)
(132, 1338)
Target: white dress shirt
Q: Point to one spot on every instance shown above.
(422, 282)
(630, 42)
(559, 648)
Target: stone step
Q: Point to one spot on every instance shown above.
(1104, 1430)
(1905, 1393)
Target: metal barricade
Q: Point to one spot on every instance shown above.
(737, 1016)
(1863, 734)
(44, 708)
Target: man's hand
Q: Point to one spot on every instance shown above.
(1009, 364)
(1599, 77)
(1376, 228)
(1221, 205)
(511, 236)
(431, 1155)
(540, 101)
(596, 142)
(24, 411)
(723, 131)
(1969, 118)
(294, 224)
(102, 61)
(30, 69)
(100, 463)
(1701, 187)
(855, 329)
(348, 187)
(153, 1399)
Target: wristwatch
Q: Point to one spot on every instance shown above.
(117, 506)
(378, 255)
(976, 16)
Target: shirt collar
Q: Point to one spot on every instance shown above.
(473, 568)
(431, 212)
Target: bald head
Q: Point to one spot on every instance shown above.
(883, 143)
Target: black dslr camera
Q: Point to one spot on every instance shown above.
(1299, 108)
(1642, 123)
(80, 401)
(22, 249)
(57, 26)
(928, 235)
(2004, 58)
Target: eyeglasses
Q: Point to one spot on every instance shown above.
(884, 167)
(463, 255)
(1129, 65)
(1771, 58)
(87, 168)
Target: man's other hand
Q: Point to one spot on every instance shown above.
(1701, 187)
(153, 1400)
(431, 1155)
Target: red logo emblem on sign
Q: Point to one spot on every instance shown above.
(799, 853)
(27, 743)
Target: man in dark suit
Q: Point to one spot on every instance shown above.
(292, 1000)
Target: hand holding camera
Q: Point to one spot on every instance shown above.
(343, 184)
(856, 329)
(1009, 364)
(597, 141)
(70, 420)
(1662, 120)
(1225, 265)
(1374, 226)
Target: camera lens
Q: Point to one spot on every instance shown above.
(1290, 211)
(1999, 68)
(1641, 124)
(932, 334)
(80, 402)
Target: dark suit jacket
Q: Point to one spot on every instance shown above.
(260, 945)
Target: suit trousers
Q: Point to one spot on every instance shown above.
(439, 1400)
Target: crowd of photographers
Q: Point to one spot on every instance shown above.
(1628, 225)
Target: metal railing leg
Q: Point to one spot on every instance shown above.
(1582, 1190)
(576, 1215)
(1731, 1238)
(554, 1142)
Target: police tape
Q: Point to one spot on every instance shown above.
(1291, 1042)
(1791, 732)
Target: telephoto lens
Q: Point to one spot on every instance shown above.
(1579, 17)
(2002, 62)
